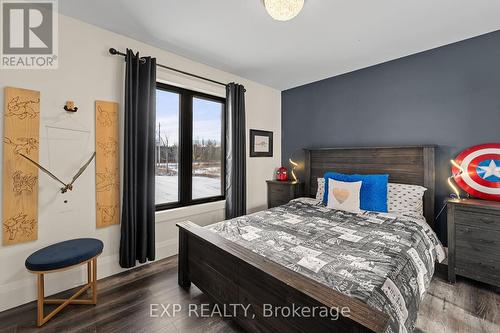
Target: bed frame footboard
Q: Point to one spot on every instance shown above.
(233, 275)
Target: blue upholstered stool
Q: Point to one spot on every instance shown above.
(59, 257)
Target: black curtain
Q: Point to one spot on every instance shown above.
(235, 151)
(138, 204)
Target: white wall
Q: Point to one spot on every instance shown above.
(87, 73)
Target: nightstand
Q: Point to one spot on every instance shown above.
(281, 192)
(474, 240)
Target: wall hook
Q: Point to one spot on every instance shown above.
(70, 106)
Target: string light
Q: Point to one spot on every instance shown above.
(459, 173)
(294, 165)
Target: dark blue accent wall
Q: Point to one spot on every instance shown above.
(449, 96)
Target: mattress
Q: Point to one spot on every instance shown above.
(385, 260)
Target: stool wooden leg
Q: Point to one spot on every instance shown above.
(94, 280)
(41, 295)
(89, 272)
(91, 283)
(90, 276)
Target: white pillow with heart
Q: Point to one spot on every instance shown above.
(344, 195)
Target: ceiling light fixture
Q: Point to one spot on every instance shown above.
(283, 10)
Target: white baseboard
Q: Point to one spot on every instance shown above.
(24, 291)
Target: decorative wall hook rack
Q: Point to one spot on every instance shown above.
(70, 106)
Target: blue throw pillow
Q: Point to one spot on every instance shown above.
(373, 196)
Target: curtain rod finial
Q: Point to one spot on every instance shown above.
(113, 51)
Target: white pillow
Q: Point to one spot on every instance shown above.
(344, 195)
(321, 189)
(404, 198)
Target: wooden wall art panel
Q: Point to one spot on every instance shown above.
(20, 177)
(107, 164)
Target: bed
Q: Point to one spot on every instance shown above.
(305, 256)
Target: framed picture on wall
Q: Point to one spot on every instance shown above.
(261, 143)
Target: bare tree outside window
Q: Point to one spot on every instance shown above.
(167, 143)
(207, 148)
(189, 147)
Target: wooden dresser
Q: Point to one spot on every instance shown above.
(281, 192)
(474, 240)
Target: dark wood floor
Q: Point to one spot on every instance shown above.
(124, 306)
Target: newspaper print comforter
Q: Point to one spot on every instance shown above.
(385, 260)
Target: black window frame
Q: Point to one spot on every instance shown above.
(185, 158)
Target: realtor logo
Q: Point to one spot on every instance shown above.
(29, 34)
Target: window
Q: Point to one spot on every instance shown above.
(189, 147)
(207, 148)
(167, 147)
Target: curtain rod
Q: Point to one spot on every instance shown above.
(113, 51)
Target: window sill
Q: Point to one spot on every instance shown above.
(180, 213)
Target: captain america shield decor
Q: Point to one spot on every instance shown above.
(480, 174)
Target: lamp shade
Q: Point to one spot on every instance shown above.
(283, 10)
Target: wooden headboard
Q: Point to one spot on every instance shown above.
(404, 164)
